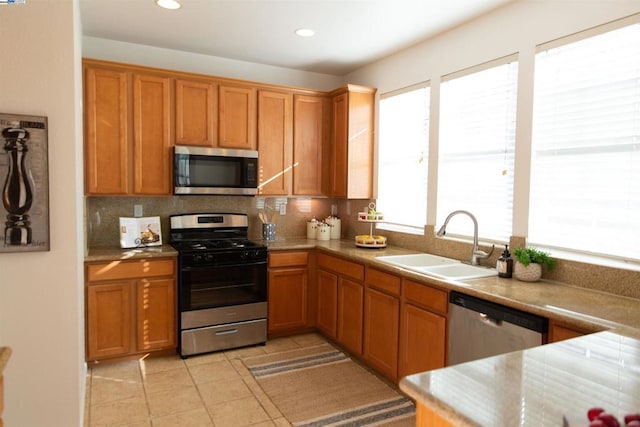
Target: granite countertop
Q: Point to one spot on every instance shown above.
(536, 387)
(5, 353)
(119, 254)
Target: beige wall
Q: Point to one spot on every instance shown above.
(41, 306)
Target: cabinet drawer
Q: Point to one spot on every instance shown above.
(431, 298)
(383, 281)
(341, 266)
(288, 259)
(130, 269)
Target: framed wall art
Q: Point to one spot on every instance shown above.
(24, 177)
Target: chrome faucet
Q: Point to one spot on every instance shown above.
(476, 253)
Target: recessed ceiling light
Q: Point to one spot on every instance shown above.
(305, 32)
(169, 4)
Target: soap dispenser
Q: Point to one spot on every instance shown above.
(505, 263)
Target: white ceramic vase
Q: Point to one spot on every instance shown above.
(530, 273)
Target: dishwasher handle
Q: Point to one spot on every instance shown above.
(488, 320)
(499, 312)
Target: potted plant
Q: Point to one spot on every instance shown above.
(529, 263)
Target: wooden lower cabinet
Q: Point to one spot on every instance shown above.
(340, 296)
(423, 328)
(350, 310)
(382, 321)
(381, 330)
(130, 308)
(288, 291)
(156, 314)
(422, 340)
(108, 320)
(327, 299)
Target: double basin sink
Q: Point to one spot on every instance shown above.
(439, 267)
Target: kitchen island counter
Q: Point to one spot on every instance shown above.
(535, 387)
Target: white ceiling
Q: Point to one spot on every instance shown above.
(349, 33)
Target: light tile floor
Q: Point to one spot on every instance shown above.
(208, 390)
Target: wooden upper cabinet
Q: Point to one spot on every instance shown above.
(128, 124)
(152, 134)
(106, 131)
(351, 154)
(196, 113)
(308, 133)
(237, 117)
(339, 145)
(275, 142)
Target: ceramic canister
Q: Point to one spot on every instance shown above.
(322, 231)
(334, 225)
(311, 229)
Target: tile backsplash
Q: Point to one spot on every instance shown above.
(102, 213)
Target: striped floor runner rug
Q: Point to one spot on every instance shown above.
(321, 386)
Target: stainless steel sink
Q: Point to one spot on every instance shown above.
(439, 267)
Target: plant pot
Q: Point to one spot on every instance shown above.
(530, 273)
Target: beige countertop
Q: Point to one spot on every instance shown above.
(115, 254)
(536, 387)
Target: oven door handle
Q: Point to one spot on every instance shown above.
(227, 332)
(209, 267)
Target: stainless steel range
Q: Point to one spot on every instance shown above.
(222, 283)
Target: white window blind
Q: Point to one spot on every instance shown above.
(476, 150)
(403, 157)
(585, 170)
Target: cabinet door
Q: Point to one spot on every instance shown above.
(381, 330)
(327, 284)
(196, 114)
(339, 145)
(307, 145)
(350, 310)
(108, 320)
(152, 135)
(287, 299)
(237, 117)
(155, 314)
(106, 132)
(275, 139)
(359, 169)
(422, 340)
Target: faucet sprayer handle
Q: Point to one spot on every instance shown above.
(482, 254)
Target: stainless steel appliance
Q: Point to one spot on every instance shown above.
(479, 328)
(201, 170)
(222, 283)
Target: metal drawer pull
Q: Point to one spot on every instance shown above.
(227, 332)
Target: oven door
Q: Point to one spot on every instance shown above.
(203, 287)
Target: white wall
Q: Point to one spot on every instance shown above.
(130, 53)
(513, 29)
(41, 302)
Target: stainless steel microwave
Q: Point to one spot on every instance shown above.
(202, 170)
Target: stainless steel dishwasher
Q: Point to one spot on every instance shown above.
(479, 328)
